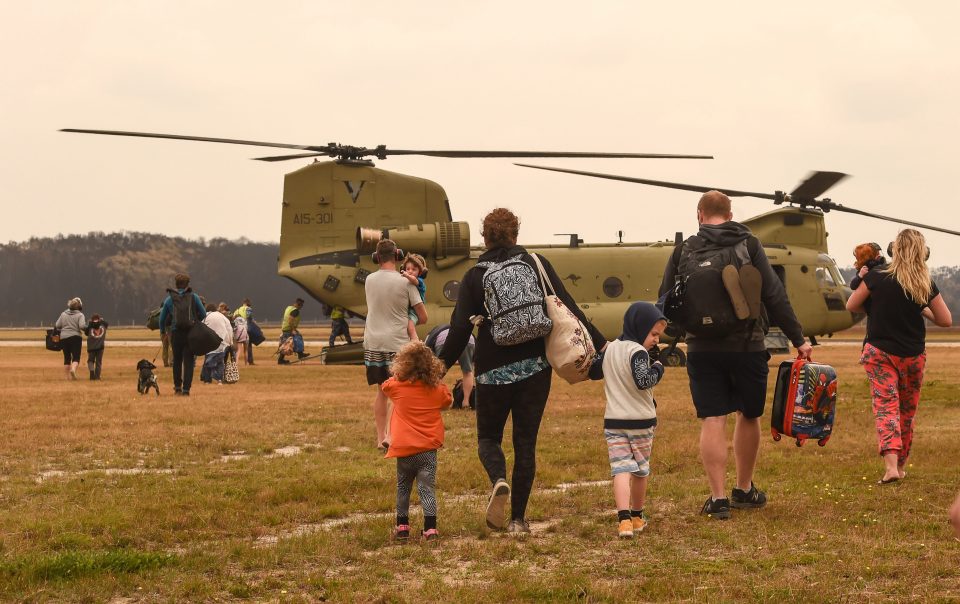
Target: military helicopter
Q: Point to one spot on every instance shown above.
(334, 212)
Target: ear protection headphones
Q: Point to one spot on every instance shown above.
(398, 255)
(890, 251)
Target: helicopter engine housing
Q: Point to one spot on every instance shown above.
(445, 242)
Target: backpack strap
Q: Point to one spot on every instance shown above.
(544, 279)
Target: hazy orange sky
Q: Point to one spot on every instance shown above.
(773, 91)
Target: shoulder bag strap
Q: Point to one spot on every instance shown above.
(544, 279)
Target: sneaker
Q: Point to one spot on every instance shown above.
(73, 374)
(754, 498)
(496, 514)
(178, 392)
(401, 532)
(430, 535)
(518, 527)
(302, 355)
(282, 361)
(639, 523)
(718, 510)
(625, 529)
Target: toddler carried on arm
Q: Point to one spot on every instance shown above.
(414, 268)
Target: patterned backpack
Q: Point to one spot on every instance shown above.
(514, 301)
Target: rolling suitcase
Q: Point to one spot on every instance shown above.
(804, 401)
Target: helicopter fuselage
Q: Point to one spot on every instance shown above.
(333, 213)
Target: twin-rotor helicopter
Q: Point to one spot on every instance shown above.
(334, 212)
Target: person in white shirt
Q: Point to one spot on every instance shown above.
(213, 362)
(389, 296)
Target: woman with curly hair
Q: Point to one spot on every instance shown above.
(894, 350)
(416, 431)
(512, 381)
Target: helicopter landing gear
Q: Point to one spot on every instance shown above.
(671, 356)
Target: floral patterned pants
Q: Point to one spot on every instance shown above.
(895, 385)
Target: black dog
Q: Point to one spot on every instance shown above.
(147, 378)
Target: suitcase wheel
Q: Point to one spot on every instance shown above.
(799, 443)
(823, 441)
(776, 437)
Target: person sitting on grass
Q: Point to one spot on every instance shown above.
(416, 428)
(415, 271)
(629, 369)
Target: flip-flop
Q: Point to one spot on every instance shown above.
(731, 282)
(888, 480)
(751, 281)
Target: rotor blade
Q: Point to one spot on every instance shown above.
(181, 137)
(833, 207)
(656, 183)
(540, 154)
(286, 157)
(816, 184)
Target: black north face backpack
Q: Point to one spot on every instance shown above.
(699, 301)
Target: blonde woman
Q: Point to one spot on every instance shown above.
(894, 354)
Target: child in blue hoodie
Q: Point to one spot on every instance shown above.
(630, 419)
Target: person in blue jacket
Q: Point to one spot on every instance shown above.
(186, 309)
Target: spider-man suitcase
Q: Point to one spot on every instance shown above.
(804, 401)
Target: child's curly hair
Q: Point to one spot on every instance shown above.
(416, 363)
(417, 260)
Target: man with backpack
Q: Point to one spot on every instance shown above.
(186, 310)
(389, 296)
(716, 286)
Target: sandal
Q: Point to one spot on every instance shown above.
(401, 532)
(883, 481)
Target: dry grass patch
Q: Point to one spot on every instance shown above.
(271, 490)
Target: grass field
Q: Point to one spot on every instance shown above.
(142, 334)
(271, 490)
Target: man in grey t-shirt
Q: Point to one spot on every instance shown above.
(389, 296)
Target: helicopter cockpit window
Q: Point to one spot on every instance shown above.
(612, 287)
(451, 290)
(824, 277)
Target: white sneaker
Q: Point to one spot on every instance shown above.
(496, 507)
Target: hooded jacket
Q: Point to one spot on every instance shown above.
(71, 323)
(772, 294)
(470, 302)
(628, 372)
(96, 334)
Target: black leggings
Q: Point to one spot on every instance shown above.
(526, 400)
(71, 349)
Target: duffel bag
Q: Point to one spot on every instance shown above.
(202, 339)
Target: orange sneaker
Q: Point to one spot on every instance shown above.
(625, 529)
(639, 523)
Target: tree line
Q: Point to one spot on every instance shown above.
(123, 276)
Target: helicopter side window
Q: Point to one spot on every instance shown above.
(612, 287)
(451, 290)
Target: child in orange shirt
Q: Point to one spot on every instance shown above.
(416, 431)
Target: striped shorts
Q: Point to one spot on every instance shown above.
(378, 365)
(629, 450)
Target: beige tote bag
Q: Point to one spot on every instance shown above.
(570, 349)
